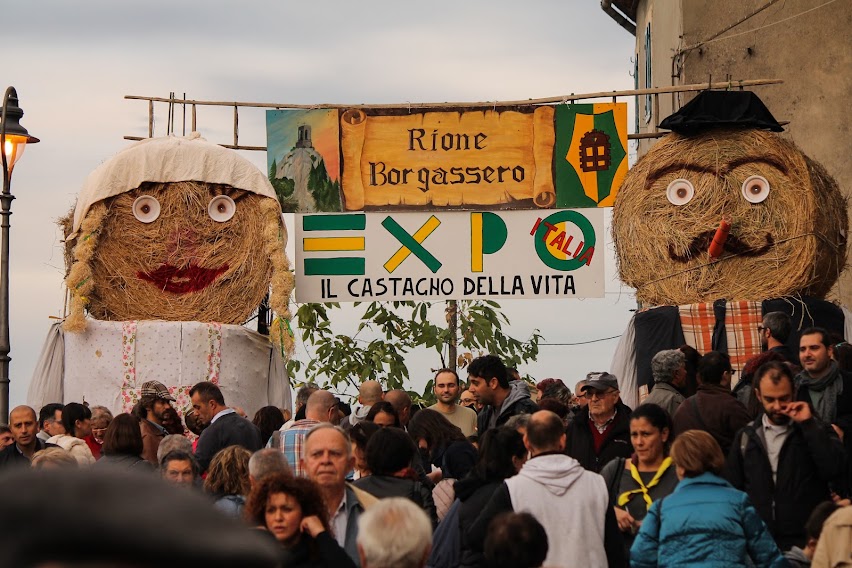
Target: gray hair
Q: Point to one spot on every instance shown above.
(779, 325)
(100, 412)
(411, 529)
(171, 443)
(665, 364)
(518, 421)
(325, 426)
(304, 393)
(53, 456)
(267, 461)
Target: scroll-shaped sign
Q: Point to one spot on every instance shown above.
(449, 255)
(363, 159)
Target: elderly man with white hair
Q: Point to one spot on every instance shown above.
(394, 533)
(669, 369)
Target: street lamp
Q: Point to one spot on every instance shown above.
(13, 140)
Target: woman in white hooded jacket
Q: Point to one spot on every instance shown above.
(76, 418)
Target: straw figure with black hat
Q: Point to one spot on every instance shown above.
(725, 208)
(170, 248)
(724, 220)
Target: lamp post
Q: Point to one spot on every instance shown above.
(13, 140)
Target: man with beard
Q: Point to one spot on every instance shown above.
(152, 406)
(447, 391)
(787, 460)
(501, 397)
(823, 385)
(774, 333)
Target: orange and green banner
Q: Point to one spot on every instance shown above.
(363, 159)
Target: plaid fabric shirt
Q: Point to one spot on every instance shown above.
(741, 324)
(292, 441)
(697, 321)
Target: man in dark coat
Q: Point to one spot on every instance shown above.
(600, 432)
(714, 408)
(23, 424)
(823, 385)
(787, 460)
(489, 383)
(226, 427)
(774, 333)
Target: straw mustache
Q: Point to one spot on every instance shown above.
(732, 245)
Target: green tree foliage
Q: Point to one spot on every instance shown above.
(326, 192)
(284, 188)
(388, 331)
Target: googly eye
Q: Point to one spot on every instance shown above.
(221, 208)
(755, 189)
(680, 192)
(146, 209)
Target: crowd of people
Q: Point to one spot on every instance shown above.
(497, 473)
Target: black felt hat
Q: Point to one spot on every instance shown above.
(721, 109)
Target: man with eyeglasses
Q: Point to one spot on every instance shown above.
(600, 432)
(713, 408)
(50, 421)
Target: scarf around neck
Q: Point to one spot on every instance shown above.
(643, 489)
(831, 386)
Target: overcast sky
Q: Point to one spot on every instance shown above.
(73, 62)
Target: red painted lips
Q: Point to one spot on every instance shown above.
(182, 280)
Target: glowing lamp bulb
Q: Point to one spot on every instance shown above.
(14, 149)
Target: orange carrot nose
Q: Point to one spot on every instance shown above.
(718, 244)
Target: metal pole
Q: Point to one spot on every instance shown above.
(5, 211)
(453, 325)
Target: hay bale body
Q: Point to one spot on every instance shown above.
(184, 265)
(793, 242)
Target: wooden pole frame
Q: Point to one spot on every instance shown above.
(572, 98)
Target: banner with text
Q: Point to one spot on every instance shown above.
(449, 255)
(362, 159)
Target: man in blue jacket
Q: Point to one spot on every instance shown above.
(787, 460)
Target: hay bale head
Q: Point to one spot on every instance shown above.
(788, 220)
(183, 264)
(178, 229)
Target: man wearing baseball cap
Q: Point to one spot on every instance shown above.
(600, 432)
(155, 400)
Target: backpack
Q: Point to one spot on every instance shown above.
(446, 541)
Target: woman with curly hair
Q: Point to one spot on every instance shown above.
(228, 479)
(293, 511)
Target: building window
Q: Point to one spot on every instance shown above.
(648, 82)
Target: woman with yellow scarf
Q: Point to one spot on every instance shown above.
(647, 476)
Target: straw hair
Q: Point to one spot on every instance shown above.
(113, 250)
(804, 216)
